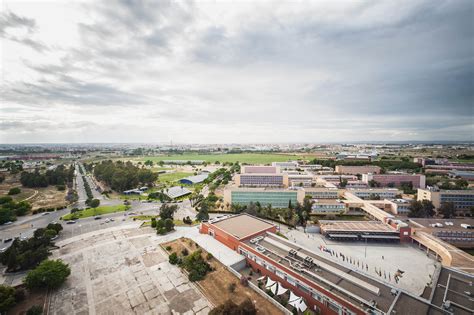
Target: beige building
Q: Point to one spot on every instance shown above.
(463, 200)
(278, 198)
(354, 170)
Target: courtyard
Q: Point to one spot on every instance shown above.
(117, 271)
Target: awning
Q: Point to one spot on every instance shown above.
(270, 283)
(261, 278)
(274, 288)
(302, 306)
(343, 235)
(281, 289)
(393, 237)
(293, 297)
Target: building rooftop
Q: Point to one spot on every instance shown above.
(359, 226)
(194, 179)
(176, 191)
(242, 225)
(346, 283)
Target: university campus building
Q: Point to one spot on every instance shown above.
(417, 180)
(327, 287)
(463, 200)
(354, 170)
(277, 198)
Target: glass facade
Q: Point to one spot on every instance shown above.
(278, 199)
(461, 201)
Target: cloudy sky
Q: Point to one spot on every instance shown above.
(216, 72)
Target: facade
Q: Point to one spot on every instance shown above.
(417, 180)
(277, 198)
(328, 206)
(398, 206)
(261, 180)
(463, 200)
(383, 193)
(303, 180)
(462, 174)
(323, 193)
(257, 169)
(354, 170)
(286, 165)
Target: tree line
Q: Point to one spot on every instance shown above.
(122, 176)
(61, 175)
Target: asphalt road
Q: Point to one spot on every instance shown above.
(25, 226)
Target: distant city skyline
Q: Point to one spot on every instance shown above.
(249, 72)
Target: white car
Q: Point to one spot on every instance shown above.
(107, 220)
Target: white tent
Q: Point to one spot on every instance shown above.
(273, 288)
(302, 306)
(293, 297)
(261, 278)
(281, 289)
(270, 283)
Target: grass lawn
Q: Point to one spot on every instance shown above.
(251, 158)
(172, 177)
(95, 211)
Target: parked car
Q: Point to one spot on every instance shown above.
(70, 222)
(97, 218)
(8, 240)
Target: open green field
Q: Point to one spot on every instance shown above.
(172, 177)
(94, 211)
(250, 158)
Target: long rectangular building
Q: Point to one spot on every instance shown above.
(277, 198)
(327, 287)
(396, 180)
(354, 170)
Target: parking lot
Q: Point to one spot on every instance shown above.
(123, 270)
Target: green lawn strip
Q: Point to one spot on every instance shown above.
(94, 212)
(172, 177)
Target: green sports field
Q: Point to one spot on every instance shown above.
(250, 158)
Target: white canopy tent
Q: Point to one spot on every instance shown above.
(281, 289)
(270, 283)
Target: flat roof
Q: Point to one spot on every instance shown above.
(177, 191)
(346, 283)
(362, 226)
(242, 225)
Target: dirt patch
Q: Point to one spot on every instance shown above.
(31, 299)
(216, 285)
(48, 197)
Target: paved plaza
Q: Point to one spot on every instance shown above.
(123, 270)
(380, 257)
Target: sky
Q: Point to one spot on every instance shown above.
(236, 72)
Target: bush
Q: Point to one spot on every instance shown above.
(49, 274)
(7, 298)
(14, 191)
(61, 187)
(153, 222)
(185, 252)
(209, 256)
(35, 310)
(173, 259)
(93, 203)
(168, 248)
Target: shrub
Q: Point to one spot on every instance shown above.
(49, 274)
(153, 222)
(173, 259)
(61, 187)
(168, 248)
(14, 191)
(185, 252)
(35, 310)
(209, 256)
(7, 298)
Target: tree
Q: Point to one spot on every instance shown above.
(7, 298)
(14, 191)
(35, 310)
(415, 209)
(230, 308)
(169, 225)
(428, 208)
(203, 213)
(50, 274)
(94, 203)
(448, 210)
(167, 211)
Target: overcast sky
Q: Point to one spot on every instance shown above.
(215, 72)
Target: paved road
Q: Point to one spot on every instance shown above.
(25, 226)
